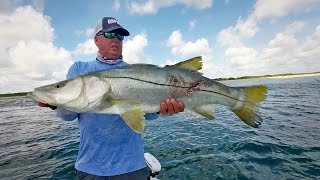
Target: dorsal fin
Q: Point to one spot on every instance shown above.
(193, 64)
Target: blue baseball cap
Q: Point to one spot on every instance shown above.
(108, 24)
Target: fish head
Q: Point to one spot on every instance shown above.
(95, 89)
(59, 93)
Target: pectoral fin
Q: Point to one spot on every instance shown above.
(206, 111)
(134, 119)
(113, 102)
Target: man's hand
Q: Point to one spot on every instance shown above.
(46, 105)
(171, 106)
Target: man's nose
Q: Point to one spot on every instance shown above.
(115, 39)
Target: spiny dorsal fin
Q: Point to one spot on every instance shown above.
(193, 64)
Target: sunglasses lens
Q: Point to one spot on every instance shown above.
(112, 35)
(120, 37)
(109, 35)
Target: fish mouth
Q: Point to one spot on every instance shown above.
(36, 97)
(31, 95)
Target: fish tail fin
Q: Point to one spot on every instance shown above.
(253, 97)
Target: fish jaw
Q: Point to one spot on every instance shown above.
(59, 93)
(94, 91)
(37, 97)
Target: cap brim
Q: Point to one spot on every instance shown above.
(119, 30)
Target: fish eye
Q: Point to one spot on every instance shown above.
(57, 86)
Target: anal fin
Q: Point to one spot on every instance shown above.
(206, 111)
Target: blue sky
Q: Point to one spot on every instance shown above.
(40, 39)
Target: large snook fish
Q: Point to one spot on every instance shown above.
(137, 89)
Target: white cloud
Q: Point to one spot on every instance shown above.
(181, 48)
(246, 29)
(153, 6)
(38, 5)
(7, 6)
(133, 50)
(310, 48)
(40, 60)
(227, 37)
(283, 40)
(192, 48)
(175, 39)
(116, 5)
(285, 51)
(286, 39)
(200, 47)
(281, 52)
(86, 48)
(16, 27)
(265, 9)
(241, 55)
(28, 55)
(87, 32)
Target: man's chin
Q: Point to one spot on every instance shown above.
(114, 57)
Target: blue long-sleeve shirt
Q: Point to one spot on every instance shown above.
(108, 146)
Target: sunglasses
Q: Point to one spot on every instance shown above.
(110, 35)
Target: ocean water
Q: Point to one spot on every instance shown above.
(35, 144)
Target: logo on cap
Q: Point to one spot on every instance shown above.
(112, 21)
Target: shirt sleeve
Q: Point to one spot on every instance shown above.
(73, 71)
(151, 116)
(65, 114)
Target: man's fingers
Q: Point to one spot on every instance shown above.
(169, 106)
(181, 106)
(163, 107)
(175, 106)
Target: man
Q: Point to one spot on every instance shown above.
(109, 149)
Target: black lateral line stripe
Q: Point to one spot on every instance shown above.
(172, 86)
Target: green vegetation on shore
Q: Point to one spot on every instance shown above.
(264, 76)
(14, 94)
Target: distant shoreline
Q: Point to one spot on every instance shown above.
(14, 94)
(297, 75)
(275, 76)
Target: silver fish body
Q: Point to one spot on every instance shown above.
(150, 84)
(137, 89)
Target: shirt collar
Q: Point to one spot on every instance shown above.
(106, 60)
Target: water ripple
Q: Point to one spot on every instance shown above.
(35, 144)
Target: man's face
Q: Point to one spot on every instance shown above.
(110, 48)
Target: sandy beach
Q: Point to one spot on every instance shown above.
(294, 76)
